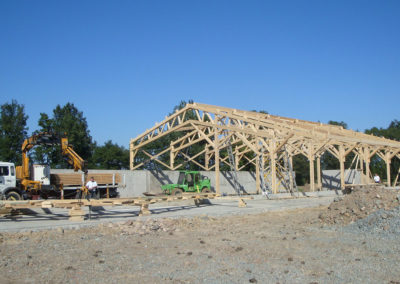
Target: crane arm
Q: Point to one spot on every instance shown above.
(42, 138)
(73, 158)
(45, 138)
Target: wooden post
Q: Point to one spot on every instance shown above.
(273, 172)
(108, 192)
(311, 162)
(258, 181)
(216, 156)
(207, 158)
(367, 171)
(362, 168)
(341, 161)
(291, 181)
(312, 177)
(272, 156)
(388, 161)
(236, 162)
(319, 180)
(171, 158)
(130, 156)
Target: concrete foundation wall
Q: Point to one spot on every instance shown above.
(331, 178)
(134, 183)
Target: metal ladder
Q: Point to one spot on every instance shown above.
(290, 174)
(265, 186)
(232, 165)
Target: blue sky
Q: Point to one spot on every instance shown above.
(126, 64)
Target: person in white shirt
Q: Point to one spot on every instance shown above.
(92, 187)
(377, 179)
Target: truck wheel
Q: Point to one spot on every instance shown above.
(12, 195)
(177, 191)
(205, 190)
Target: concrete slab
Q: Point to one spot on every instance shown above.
(40, 219)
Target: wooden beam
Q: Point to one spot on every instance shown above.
(283, 143)
(272, 156)
(311, 158)
(216, 155)
(319, 180)
(341, 161)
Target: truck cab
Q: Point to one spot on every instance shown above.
(8, 182)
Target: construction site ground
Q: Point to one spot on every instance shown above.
(349, 239)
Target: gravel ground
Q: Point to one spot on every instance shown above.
(276, 247)
(382, 223)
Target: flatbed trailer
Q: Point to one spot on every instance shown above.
(70, 183)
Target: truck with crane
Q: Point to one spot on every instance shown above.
(29, 181)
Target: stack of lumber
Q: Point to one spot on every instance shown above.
(76, 178)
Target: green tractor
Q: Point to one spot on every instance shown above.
(188, 181)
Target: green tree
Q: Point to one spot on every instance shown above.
(328, 161)
(66, 120)
(338, 123)
(44, 154)
(301, 167)
(110, 156)
(13, 131)
(392, 132)
(165, 141)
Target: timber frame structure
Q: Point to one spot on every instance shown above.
(268, 137)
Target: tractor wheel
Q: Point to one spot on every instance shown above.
(177, 191)
(12, 195)
(205, 190)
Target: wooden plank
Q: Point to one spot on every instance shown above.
(71, 179)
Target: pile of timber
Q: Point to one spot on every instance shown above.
(78, 178)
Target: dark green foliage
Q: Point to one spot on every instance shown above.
(13, 131)
(377, 165)
(301, 167)
(69, 121)
(338, 123)
(392, 132)
(260, 111)
(164, 142)
(110, 156)
(328, 161)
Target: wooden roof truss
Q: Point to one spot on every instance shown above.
(252, 135)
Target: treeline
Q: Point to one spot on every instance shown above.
(64, 120)
(68, 119)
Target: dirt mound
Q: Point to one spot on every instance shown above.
(358, 204)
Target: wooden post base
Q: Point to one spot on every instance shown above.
(76, 214)
(242, 203)
(144, 209)
(198, 202)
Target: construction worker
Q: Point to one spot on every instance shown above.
(377, 179)
(92, 187)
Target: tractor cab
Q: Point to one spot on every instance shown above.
(188, 181)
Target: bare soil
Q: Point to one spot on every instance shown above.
(295, 246)
(360, 203)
